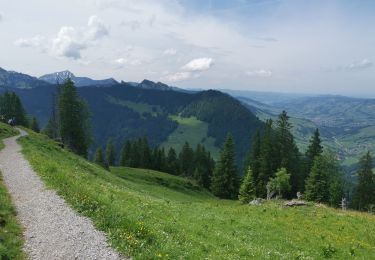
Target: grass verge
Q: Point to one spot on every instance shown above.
(152, 215)
(10, 231)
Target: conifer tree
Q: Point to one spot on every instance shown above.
(267, 159)
(225, 178)
(314, 149)
(186, 159)
(247, 189)
(317, 182)
(172, 162)
(125, 158)
(110, 153)
(288, 154)
(52, 129)
(99, 158)
(364, 197)
(74, 120)
(324, 184)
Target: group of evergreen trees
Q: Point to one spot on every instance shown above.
(70, 119)
(275, 167)
(364, 193)
(11, 107)
(197, 164)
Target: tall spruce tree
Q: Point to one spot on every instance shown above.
(52, 129)
(110, 153)
(247, 189)
(74, 119)
(225, 177)
(125, 158)
(266, 160)
(317, 182)
(313, 150)
(325, 183)
(288, 156)
(172, 162)
(364, 197)
(186, 159)
(203, 166)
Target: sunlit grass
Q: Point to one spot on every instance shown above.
(152, 215)
(10, 232)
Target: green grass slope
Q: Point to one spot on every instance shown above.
(10, 232)
(152, 215)
(192, 130)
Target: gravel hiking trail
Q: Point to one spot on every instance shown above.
(52, 230)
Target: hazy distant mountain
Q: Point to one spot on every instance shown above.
(12, 79)
(59, 77)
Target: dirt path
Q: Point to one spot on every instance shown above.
(52, 230)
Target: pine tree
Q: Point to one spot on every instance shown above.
(317, 182)
(267, 159)
(288, 156)
(52, 129)
(99, 158)
(364, 197)
(314, 149)
(34, 125)
(225, 178)
(324, 184)
(186, 159)
(126, 151)
(172, 162)
(247, 189)
(74, 119)
(145, 153)
(110, 153)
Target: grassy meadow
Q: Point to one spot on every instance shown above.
(10, 232)
(153, 215)
(192, 130)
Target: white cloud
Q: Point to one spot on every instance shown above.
(359, 65)
(259, 73)
(69, 41)
(200, 64)
(170, 51)
(96, 28)
(176, 77)
(36, 41)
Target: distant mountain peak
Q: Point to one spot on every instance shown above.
(61, 76)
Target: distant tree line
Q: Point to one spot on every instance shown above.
(192, 163)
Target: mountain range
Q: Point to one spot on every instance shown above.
(167, 117)
(170, 115)
(59, 77)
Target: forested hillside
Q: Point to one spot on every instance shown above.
(124, 111)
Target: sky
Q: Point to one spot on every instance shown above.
(301, 46)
